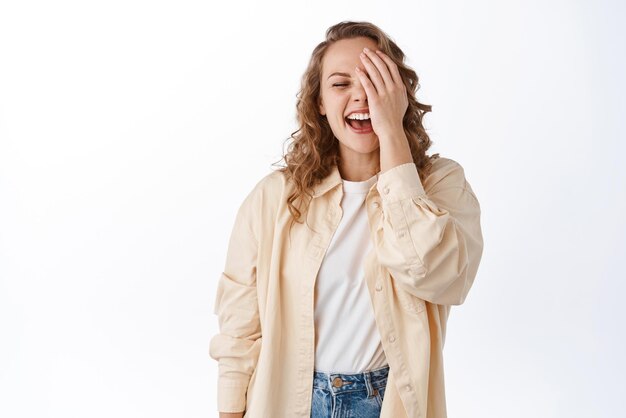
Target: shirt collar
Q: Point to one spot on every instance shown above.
(330, 182)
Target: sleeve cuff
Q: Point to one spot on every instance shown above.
(231, 398)
(400, 182)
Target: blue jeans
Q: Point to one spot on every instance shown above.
(357, 395)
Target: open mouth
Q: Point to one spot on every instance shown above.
(360, 126)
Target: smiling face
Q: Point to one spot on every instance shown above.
(341, 94)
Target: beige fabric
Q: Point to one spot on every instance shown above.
(427, 247)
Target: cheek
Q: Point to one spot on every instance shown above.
(338, 105)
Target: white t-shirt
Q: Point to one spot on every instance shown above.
(346, 337)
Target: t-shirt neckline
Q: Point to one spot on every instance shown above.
(359, 187)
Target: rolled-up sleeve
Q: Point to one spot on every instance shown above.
(431, 243)
(237, 345)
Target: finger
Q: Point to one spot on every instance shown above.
(393, 68)
(370, 89)
(373, 73)
(381, 66)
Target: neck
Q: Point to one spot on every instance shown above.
(353, 172)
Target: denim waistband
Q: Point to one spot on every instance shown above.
(340, 382)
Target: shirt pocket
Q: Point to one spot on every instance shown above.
(409, 302)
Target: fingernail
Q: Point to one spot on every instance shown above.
(366, 49)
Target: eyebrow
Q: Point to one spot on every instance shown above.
(341, 74)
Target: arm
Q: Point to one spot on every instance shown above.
(430, 243)
(236, 347)
(231, 415)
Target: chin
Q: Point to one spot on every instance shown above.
(365, 146)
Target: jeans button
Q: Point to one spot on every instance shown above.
(337, 382)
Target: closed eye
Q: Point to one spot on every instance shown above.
(340, 84)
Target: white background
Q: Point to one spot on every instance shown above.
(131, 131)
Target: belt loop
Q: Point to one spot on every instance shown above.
(329, 381)
(368, 384)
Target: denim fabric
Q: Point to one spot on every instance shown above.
(359, 395)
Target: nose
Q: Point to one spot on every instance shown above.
(358, 93)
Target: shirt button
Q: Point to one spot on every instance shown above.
(392, 338)
(375, 205)
(379, 287)
(408, 387)
(386, 190)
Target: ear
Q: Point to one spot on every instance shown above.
(321, 106)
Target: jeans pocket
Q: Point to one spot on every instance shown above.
(322, 403)
(380, 396)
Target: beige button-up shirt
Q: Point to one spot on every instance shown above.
(427, 247)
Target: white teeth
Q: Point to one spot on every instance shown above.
(359, 116)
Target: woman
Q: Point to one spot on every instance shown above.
(342, 265)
